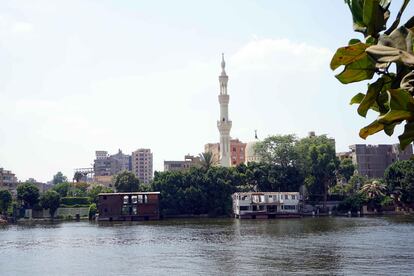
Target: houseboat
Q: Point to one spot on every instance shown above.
(128, 206)
(266, 204)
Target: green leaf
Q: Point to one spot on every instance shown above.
(370, 129)
(348, 54)
(401, 107)
(389, 129)
(359, 70)
(357, 98)
(408, 135)
(373, 17)
(373, 91)
(354, 41)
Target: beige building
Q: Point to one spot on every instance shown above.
(8, 181)
(142, 167)
(237, 151)
(188, 162)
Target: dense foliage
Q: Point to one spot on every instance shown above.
(59, 178)
(387, 54)
(126, 182)
(96, 190)
(28, 193)
(5, 200)
(62, 188)
(72, 201)
(50, 200)
(399, 178)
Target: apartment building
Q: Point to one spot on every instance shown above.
(188, 162)
(142, 164)
(237, 151)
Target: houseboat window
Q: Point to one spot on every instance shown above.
(126, 199)
(261, 198)
(105, 210)
(289, 207)
(244, 198)
(254, 207)
(286, 197)
(244, 208)
(140, 199)
(134, 199)
(104, 197)
(125, 210)
(293, 197)
(134, 210)
(261, 207)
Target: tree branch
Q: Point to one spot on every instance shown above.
(398, 18)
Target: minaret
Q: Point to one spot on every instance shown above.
(224, 124)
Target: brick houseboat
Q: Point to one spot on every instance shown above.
(128, 206)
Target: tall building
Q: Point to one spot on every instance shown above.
(8, 181)
(142, 164)
(237, 151)
(188, 162)
(224, 124)
(107, 165)
(372, 160)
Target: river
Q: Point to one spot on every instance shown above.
(329, 245)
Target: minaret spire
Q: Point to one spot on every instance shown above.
(224, 124)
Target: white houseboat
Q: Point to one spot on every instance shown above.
(266, 204)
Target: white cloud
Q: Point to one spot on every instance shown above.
(22, 27)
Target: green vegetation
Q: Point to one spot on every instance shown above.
(346, 169)
(75, 201)
(207, 160)
(59, 178)
(62, 188)
(93, 210)
(5, 201)
(388, 54)
(50, 200)
(29, 194)
(319, 164)
(95, 191)
(126, 182)
(399, 178)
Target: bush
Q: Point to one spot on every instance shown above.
(71, 201)
(353, 203)
(92, 211)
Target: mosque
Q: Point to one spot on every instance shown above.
(229, 151)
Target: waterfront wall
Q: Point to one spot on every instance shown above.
(64, 212)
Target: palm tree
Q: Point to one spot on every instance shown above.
(78, 176)
(373, 190)
(206, 160)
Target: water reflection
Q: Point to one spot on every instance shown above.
(211, 246)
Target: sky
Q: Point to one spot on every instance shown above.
(83, 75)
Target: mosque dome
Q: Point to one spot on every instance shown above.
(250, 153)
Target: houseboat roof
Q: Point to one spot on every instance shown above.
(132, 193)
(265, 193)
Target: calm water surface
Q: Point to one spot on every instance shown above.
(351, 246)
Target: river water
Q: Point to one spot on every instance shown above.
(334, 246)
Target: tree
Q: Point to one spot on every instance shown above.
(126, 182)
(96, 190)
(62, 188)
(278, 150)
(319, 163)
(346, 169)
(78, 176)
(50, 200)
(374, 192)
(399, 177)
(391, 94)
(207, 160)
(28, 193)
(5, 200)
(59, 178)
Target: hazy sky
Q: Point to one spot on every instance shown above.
(78, 76)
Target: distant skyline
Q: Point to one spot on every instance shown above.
(78, 76)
